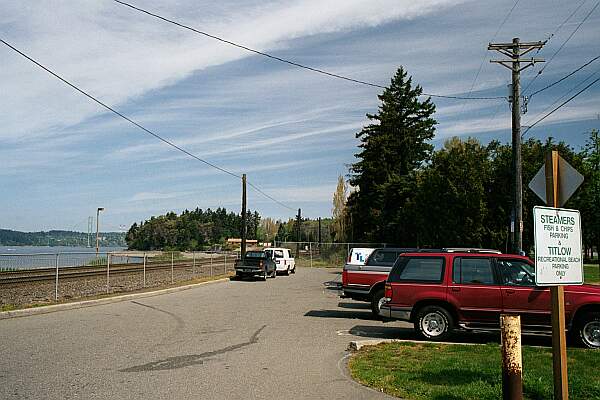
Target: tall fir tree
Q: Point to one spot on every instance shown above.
(393, 147)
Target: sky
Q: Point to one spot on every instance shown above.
(292, 131)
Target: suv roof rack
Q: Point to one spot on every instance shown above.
(460, 250)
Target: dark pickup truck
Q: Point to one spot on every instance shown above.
(255, 263)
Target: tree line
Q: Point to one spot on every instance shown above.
(405, 192)
(191, 230)
(59, 238)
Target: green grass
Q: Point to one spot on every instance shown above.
(7, 307)
(317, 263)
(418, 371)
(97, 262)
(591, 273)
(168, 256)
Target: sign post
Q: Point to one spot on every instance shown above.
(558, 258)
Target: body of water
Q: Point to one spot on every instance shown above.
(30, 257)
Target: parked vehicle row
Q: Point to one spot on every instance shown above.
(363, 278)
(440, 291)
(265, 263)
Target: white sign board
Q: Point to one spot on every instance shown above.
(558, 256)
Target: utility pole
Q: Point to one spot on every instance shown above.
(514, 51)
(243, 233)
(298, 220)
(320, 241)
(89, 232)
(98, 229)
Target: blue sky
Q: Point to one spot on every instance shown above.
(290, 130)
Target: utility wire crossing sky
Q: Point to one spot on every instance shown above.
(284, 123)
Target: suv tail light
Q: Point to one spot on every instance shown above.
(349, 258)
(344, 277)
(388, 291)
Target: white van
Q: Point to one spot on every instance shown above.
(283, 259)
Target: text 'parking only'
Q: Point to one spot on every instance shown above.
(558, 258)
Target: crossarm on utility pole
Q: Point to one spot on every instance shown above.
(514, 51)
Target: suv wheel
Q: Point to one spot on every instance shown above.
(377, 301)
(587, 330)
(434, 323)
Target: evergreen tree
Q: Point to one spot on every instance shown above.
(393, 147)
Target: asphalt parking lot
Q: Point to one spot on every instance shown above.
(284, 338)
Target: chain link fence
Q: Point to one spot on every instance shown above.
(315, 254)
(30, 279)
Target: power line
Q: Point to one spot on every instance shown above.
(566, 20)
(157, 136)
(562, 104)
(563, 43)
(485, 53)
(284, 60)
(583, 82)
(269, 197)
(564, 77)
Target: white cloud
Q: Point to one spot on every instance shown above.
(118, 54)
(302, 194)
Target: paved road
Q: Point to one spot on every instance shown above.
(284, 338)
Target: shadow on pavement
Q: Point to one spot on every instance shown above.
(341, 314)
(248, 279)
(394, 332)
(361, 306)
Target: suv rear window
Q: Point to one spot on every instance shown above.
(418, 269)
(383, 257)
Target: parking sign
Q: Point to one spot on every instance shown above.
(558, 256)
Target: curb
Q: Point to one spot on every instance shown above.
(356, 345)
(25, 312)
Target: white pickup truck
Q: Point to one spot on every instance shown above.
(284, 261)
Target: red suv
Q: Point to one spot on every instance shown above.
(366, 282)
(441, 291)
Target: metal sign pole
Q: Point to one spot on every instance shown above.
(559, 341)
(144, 269)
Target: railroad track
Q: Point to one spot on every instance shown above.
(49, 274)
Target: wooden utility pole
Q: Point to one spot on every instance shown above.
(320, 232)
(298, 220)
(515, 51)
(559, 340)
(243, 230)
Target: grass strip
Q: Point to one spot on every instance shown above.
(419, 371)
(591, 273)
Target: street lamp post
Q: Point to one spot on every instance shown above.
(98, 229)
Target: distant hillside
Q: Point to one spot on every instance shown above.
(59, 238)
